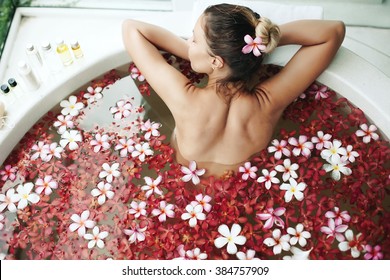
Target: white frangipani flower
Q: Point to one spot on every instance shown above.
(193, 214)
(248, 171)
(96, 238)
(269, 178)
(142, 150)
(136, 234)
(8, 200)
(125, 146)
(334, 151)
(25, 195)
(350, 156)
(137, 209)
(80, 223)
(293, 189)
(278, 242)
(47, 184)
(230, 237)
(100, 142)
(93, 94)
(152, 186)
(321, 140)
(298, 254)
(337, 167)
(103, 191)
(151, 129)
(298, 235)
(71, 138)
(202, 200)
(109, 172)
(249, 255)
(63, 123)
(165, 210)
(191, 173)
(367, 132)
(50, 151)
(195, 254)
(71, 106)
(352, 243)
(288, 169)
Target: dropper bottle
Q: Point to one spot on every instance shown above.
(50, 58)
(77, 51)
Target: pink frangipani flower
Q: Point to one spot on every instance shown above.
(152, 186)
(137, 209)
(335, 229)
(278, 242)
(269, 178)
(373, 253)
(302, 145)
(253, 45)
(367, 132)
(338, 216)
(165, 210)
(135, 233)
(272, 216)
(321, 140)
(80, 223)
(279, 148)
(9, 172)
(46, 185)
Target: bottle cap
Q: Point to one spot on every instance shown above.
(5, 88)
(59, 41)
(22, 65)
(30, 47)
(74, 44)
(45, 45)
(12, 82)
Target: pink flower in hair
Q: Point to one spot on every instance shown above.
(254, 45)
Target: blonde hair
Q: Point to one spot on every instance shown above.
(268, 32)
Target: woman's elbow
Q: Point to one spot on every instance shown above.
(340, 31)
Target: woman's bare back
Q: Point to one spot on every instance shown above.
(220, 134)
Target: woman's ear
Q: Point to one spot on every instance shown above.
(217, 62)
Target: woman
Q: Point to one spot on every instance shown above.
(224, 123)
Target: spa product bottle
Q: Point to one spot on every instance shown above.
(33, 56)
(28, 76)
(9, 98)
(64, 53)
(77, 51)
(50, 58)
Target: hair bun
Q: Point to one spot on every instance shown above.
(269, 33)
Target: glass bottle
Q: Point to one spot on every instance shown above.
(14, 87)
(64, 53)
(50, 58)
(35, 60)
(77, 51)
(9, 98)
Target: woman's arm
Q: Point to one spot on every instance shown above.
(320, 40)
(143, 41)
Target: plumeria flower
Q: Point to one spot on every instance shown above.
(50, 151)
(336, 166)
(100, 142)
(2, 221)
(136, 74)
(151, 129)
(125, 146)
(103, 191)
(138, 209)
(93, 94)
(351, 155)
(253, 45)
(248, 171)
(269, 178)
(319, 91)
(202, 200)
(338, 216)
(321, 140)
(373, 253)
(182, 253)
(152, 186)
(191, 173)
(46, 185)
(194, 213)
(39, 150)
(293, 189)
(302, 145)
(367, 132)
(8, 200)
(9, 172)
(136, 234)
(165, 210)
(71, 138)
(81, 223)
(279, 148)
(195, 254)
(71, 106)
(298, 254)
(353, 243)
(25, 196)
(288, 169)
(63, 123)
(141, 151)
(122, 109)
(334, 151)
(272, 216)
(335, 229)
(230, 237)
(249, 255)
(109, 172)
(298, 235)
(278, 242)
(96, 238)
